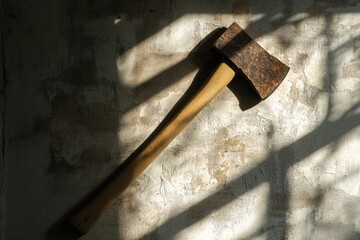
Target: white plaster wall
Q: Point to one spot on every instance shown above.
(88, 82)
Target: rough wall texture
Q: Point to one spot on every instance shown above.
(3, 85)
(87, 82)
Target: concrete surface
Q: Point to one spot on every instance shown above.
(85, 82)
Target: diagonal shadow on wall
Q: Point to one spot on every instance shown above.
(247, 182)
(82, 122)
(274, 169)
(266, 172)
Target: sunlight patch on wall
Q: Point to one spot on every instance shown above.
(235, 220)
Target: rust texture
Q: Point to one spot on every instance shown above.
(264, 71)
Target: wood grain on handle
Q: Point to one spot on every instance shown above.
(87, 216)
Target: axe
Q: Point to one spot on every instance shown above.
(240, 53)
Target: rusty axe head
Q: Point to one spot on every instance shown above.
(264, 71)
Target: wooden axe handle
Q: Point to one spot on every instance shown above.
(89, 213)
